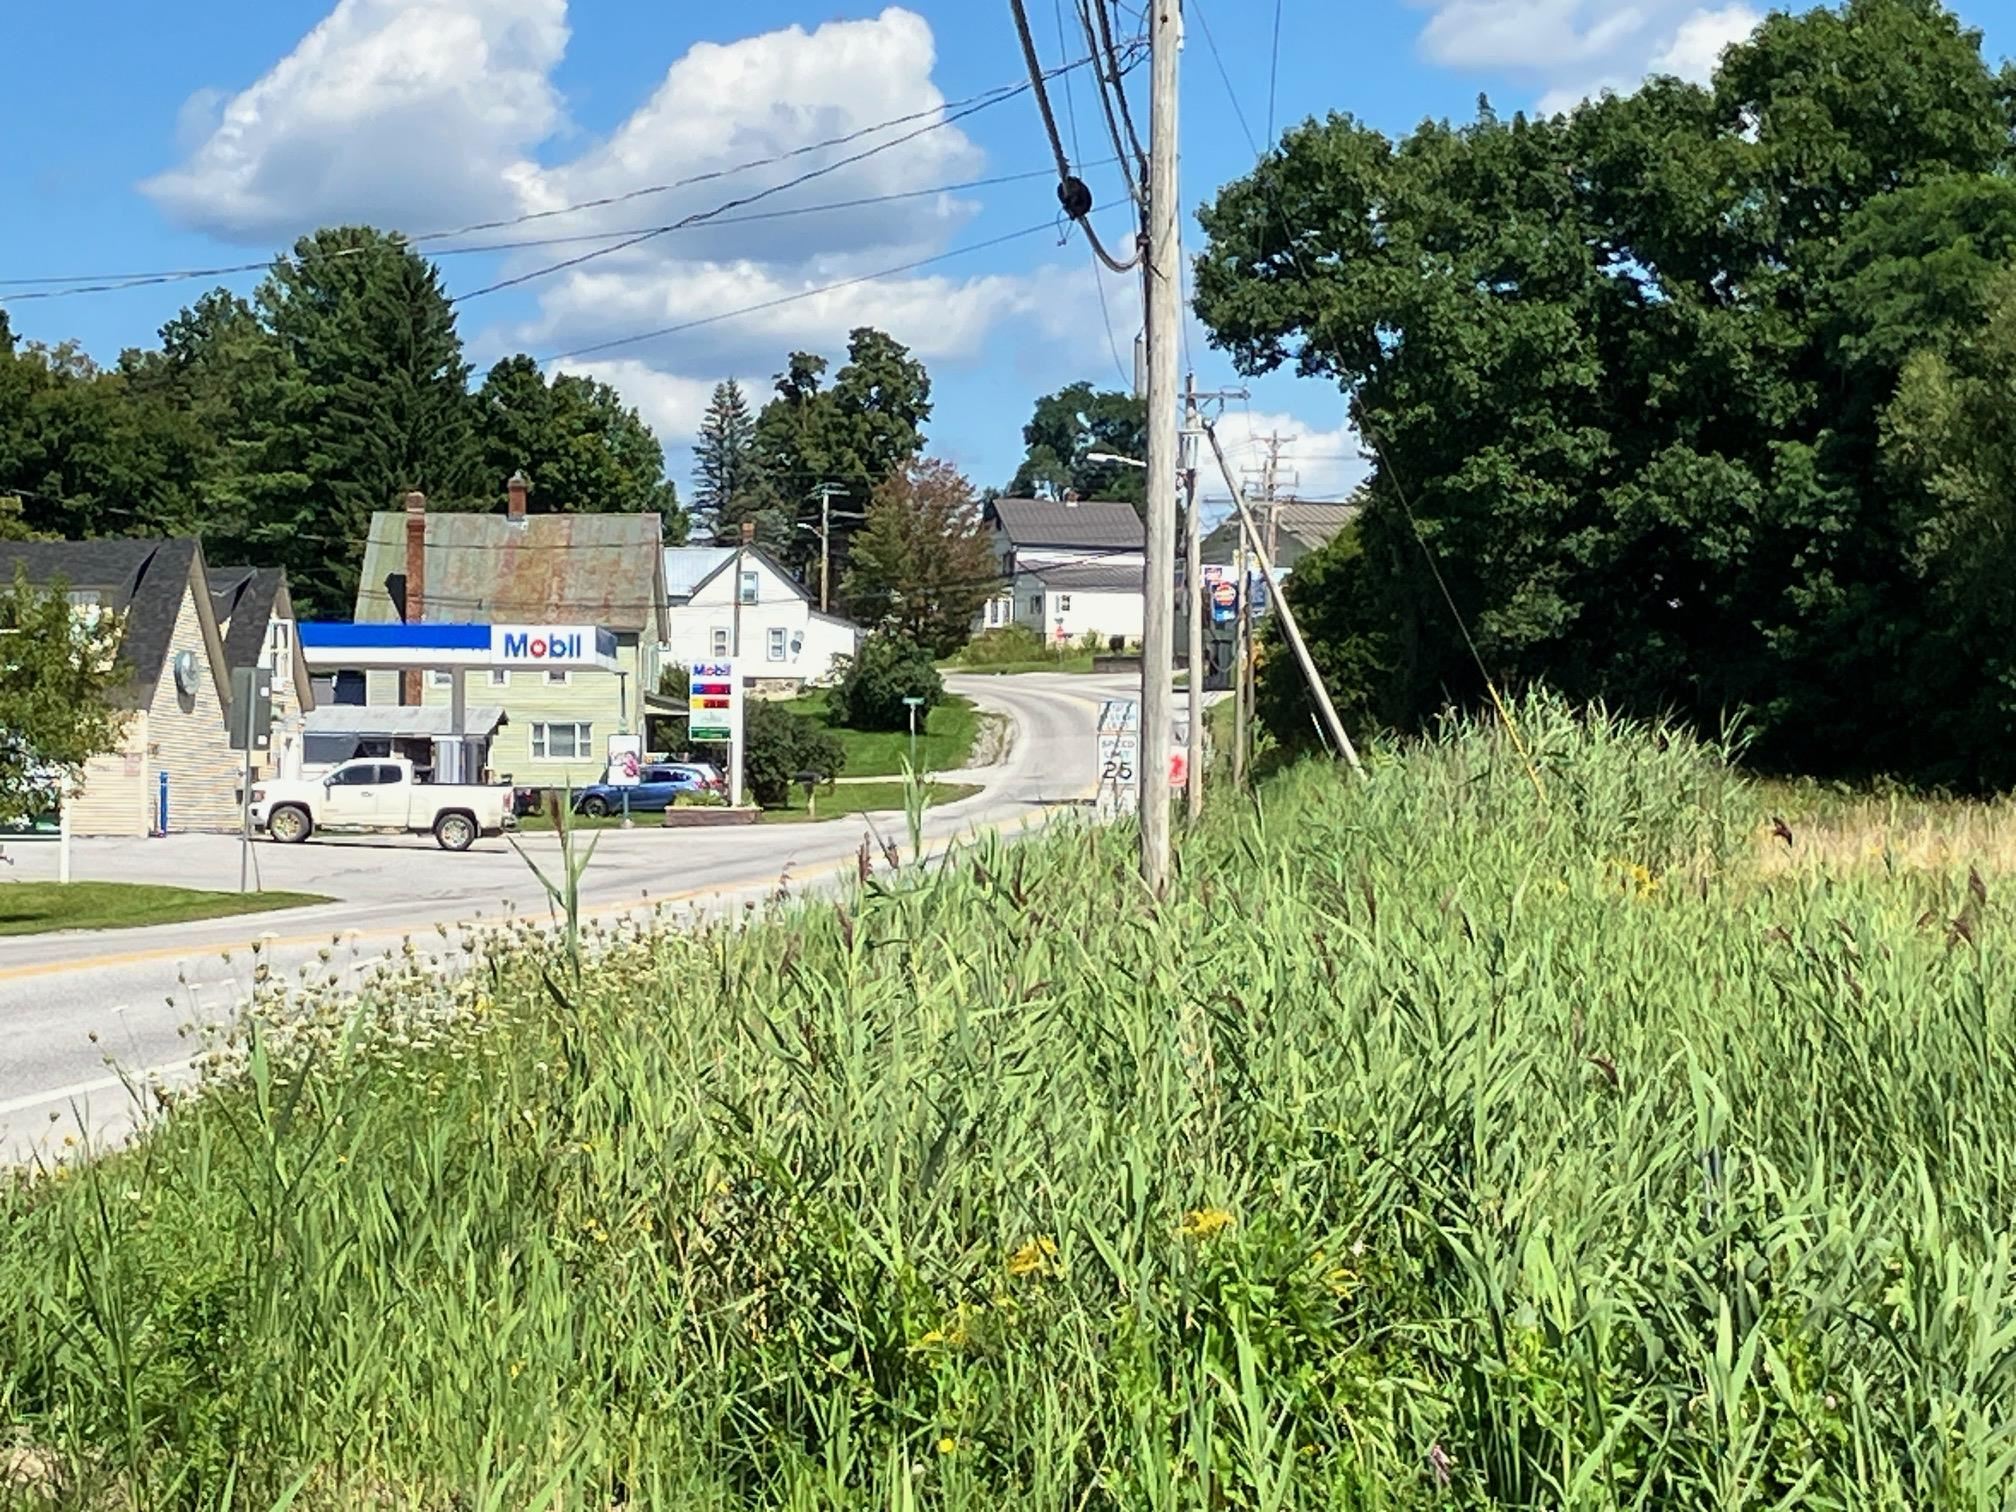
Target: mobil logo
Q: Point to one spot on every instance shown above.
(530, 643)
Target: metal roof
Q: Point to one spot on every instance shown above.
(1092, 577)
(399, 720)
(1100, 524)
(687, 567)
(599, 569)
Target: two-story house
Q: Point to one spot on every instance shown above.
(174, 761)
(739, 601)
(516, 567)
(255, 614)
(1070, 568)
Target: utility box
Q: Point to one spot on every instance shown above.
(251, 708)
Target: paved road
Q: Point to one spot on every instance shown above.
(134, 989)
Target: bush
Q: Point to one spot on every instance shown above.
(887, 670)
(777, 745)
(1008, 643)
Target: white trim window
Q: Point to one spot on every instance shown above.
(720, 642)
(779, 643)
(558, 677)
(562, 742)
(500, 677)
(750, 579)
(441, 679)
(278, 657)
(1063, 603)
(1000, 611)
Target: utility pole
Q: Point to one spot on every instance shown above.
(1194, 598)
(735, 646)
(826, 492)
(1242, 652)
(1289, 628)
(1162, 292)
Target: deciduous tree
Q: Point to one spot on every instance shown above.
(57, 670)
(1065, 428)
(922, 563)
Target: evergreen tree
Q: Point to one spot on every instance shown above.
(586, 451)
(728, 484)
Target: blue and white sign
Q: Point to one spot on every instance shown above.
(541, 645)
(456, 647)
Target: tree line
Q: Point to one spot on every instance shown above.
(1697, 398)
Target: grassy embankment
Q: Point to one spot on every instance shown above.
(38, 907)
(1433, 1145)
(943, 744)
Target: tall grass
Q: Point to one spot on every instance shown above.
(1436, 1144)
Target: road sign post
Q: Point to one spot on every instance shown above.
(251, 730)
(913, 705)
(625, 767)
(1117, 757)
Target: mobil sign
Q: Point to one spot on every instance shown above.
(542, 645)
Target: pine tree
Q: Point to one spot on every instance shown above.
(728, 485)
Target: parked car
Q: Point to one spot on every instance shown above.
(659, 786)
(380, 794)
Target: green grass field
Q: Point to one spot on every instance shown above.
(1439, 1141)
(942, 745)
(845, 798)
(38, 907)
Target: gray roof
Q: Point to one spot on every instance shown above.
(143, 580)
(1096, 524)
(1092, 577)
(687, 567)
(599, 569)
(242, 599)
(1301, 527)
(399, 720)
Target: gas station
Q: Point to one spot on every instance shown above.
(456, 649)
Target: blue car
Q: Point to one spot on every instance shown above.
(655, 791)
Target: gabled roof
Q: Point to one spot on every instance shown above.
(1301, 526)
(600, 569)
(717, 560)
(242, 599)
(144, 581)
(1095, 524)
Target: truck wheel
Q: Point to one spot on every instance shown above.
(595, 806)
(455, 832)
(289, 824)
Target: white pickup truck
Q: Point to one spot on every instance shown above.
(379, 793)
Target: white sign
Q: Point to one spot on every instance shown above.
(1117, 714)
(1119, 757)
(626, 760)
(713, 702)
(542, 645)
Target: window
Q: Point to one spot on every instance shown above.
(558, 679)
(388, 775)
(1001, 611)
(360, 775)
(500, 677)
(749, 578)
(776, 643)
(279, 656)
(720, 641)
(1036, 605)
(1063, 603)
(441, 679)
(562, 742)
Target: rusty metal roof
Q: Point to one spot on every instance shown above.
(599, 569)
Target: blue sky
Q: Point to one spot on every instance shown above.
(134, 146)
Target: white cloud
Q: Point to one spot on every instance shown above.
(1573, 49)
(1316, 461)
(404, 112)
(671, 405)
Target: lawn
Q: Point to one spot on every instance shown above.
(943, 744)
(864, 798)
(1076, 661)
(1455, 1138)
(39, 907)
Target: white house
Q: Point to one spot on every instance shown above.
(1070, 568)
(720, 596)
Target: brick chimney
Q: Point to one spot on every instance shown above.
(416, 582)
(1070, 500)
(748, 533)
(515, 490)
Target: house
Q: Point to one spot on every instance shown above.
(605, 570)
(1293, 529)
(255, 614)
(1070, 568)
(719, 595)
(177, 736)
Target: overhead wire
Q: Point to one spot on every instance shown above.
(1072, 192)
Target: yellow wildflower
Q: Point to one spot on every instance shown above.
(947, 1445)
(1034, 1258)
(1202, 1223)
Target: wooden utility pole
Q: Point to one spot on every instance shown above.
(1162, 293)
(826, 492)
(1195, 600)
(1289, 628)
(1242, 653)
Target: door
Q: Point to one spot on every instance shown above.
(653, 792)
(394, 796)
(350, 795)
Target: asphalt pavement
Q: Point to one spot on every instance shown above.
(86, 1014)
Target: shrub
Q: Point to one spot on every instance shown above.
(1005, 644)
(887, 670)
(777, 745)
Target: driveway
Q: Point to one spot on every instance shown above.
(133, 989)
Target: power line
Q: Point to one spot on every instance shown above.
(113, 282)
(1072, 192)
(1238, 110)
(1273, 71)
(961, 108)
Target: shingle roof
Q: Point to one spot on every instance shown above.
(1314, 524)
(601, 569)
(1092, 577)
(143, 580)
(242, 599)
(1098, 524)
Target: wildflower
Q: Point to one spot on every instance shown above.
(1033, 1258)
(1202, 1223)
(947, 1445)
(517, 1369)
(930, 1340)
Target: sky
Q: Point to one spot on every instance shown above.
(130, 146)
